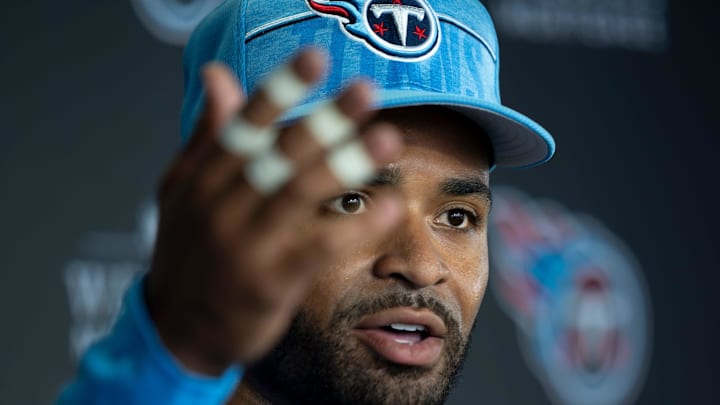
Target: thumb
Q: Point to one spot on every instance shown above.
(223, 97)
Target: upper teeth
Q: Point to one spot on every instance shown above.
(406, 327)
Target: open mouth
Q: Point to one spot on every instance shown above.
(407, 336)
(407, 333)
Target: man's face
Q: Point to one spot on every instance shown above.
(390, 323)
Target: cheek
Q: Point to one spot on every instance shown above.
(470, 279)
(331, 284)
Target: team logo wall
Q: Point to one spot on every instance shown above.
(397, 29)
(97, 278)
(634, 25)
(577, 297)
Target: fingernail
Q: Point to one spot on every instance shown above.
(311, 64)
(384, 143)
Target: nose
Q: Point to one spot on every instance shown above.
(411, 256)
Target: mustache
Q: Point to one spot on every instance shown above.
(370, 305)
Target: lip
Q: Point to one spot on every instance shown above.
(397, 348)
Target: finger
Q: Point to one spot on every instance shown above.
(285, 87)
(327, 126)
(223, 96)
(283, 289)
(335, 239)
(296, 263)
(249, 133)
(300, 198)
(296, 147)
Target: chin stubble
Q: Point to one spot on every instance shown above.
(327, 365)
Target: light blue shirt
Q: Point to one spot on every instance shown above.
(132, 366)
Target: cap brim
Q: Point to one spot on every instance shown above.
(518, 141)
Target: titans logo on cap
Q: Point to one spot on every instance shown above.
(396, 29)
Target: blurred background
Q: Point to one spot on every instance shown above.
(605, 260)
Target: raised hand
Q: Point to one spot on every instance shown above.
(235, 250)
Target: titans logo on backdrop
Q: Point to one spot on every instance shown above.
(172, 21)
(577, 296)
(402, 29)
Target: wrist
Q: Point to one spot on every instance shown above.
(187, 342)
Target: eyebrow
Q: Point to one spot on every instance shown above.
(385, 177)
(467, 186)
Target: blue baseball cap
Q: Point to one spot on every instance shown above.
(418, 52)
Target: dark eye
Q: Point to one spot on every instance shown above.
(457, 218)
(349, 204)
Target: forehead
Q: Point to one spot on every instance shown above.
(437, 138)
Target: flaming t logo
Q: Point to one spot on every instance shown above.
(400, 14)
(396, 29)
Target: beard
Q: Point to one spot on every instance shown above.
(313, 364)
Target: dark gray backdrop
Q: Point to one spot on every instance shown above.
(90, 118)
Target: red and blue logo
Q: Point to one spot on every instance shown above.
(577, 296)
(395, 29)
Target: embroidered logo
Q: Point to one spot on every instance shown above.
(395, 29)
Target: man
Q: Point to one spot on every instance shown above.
(308, 250)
